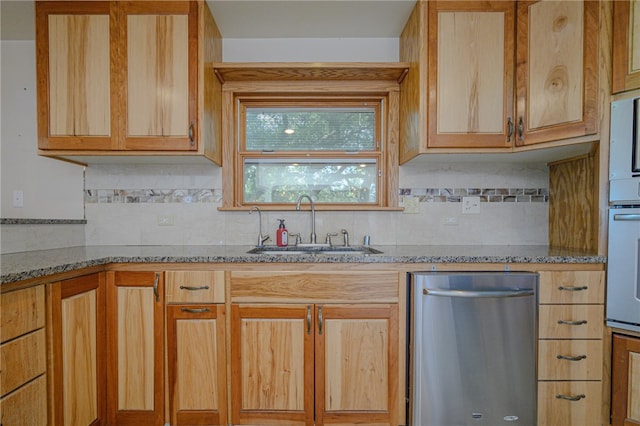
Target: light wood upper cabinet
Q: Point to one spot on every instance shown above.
(128, 77)
(78, 352)
(135, 338)
(497, 75)
(557, 77)
(626, 45)
(471, 68)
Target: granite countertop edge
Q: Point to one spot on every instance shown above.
(29, 265)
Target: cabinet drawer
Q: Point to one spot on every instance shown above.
(22, 312)
(568, 287)
(27, 405)
(195, 286)
(22, 359)
(300, 287)
(553, 410)
(571, 321)
(579, 360)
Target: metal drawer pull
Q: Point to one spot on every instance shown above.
(572, 358)
(184, 287)
(573, 288)
(308, 319)
(563, 322)
(571, 398)
(155, 287)
(194, 310)
(320, 320)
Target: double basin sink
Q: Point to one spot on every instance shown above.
(321, 249)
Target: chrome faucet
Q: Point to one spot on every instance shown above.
(345, 234)
(313, 216)
(261, 238)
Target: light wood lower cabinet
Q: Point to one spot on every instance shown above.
(625, 398)
(571, 349)
(314, 363)
(135, 341)
(78, 351)
(23, 355)
(197, 364)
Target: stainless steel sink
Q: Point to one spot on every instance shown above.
(322, 249)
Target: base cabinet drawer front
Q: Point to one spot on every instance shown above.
(22, 312)
(571, 287)
(570, 359)
(21, 360)
(572, 403)
(195, 286)
(26, 406)
(571, 321)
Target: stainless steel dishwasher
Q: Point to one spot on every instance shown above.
(472, 348)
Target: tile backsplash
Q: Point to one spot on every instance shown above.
(178, 204)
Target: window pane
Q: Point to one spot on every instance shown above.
(310, 129)
(325, 180)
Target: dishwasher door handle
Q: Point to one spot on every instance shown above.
(476, 294)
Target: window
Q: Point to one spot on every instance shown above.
(331, 147)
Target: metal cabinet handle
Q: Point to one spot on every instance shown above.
(194, 310)
(308, 319)
(155, 287)
(521, 129)
(571, 397)
(184, 287)
(320, 320)
(572, 358)
(573, 288)
(191, 139)
(509, 129)
(564, 322)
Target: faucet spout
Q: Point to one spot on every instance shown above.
(312, 238)
(261, 238)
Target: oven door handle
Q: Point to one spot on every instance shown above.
(627, 217)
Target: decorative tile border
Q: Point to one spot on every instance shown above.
(143, 196)
(20, 221)
(487, 195)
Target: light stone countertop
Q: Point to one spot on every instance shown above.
(35, 264)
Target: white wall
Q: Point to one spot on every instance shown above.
(52, 189)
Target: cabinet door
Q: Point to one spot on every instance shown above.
(197, 364)
(356, 364)
(557, 70)
(625, 391)
(272, 364)
(159, 42)
(75, 75)
(78, 352)
(135, 340)
(471, 67)
(626, 45)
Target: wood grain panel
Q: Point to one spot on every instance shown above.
(189, 286)
(555, 62)
(26, 406)
(79, 358)
(22, 359)
(303, 287)
(625, 390)
(626, 48)
(571, 287)
(210, 52)
(634, 386)
(550, 367)
(573, 206)
(554, 411)
(549, 315)
(79, 75)
(22, 312)
(158, 80)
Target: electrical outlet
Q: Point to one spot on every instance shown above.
(450, 221)
(470, 205)
(411, 204)
(165, 220)
(18, 198)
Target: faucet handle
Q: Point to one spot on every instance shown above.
(329, 235)
(297, 239)
(345, 234)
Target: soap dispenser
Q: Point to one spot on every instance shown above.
(282, 235)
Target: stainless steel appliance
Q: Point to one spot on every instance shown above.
(473, 344)
(623, 259)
